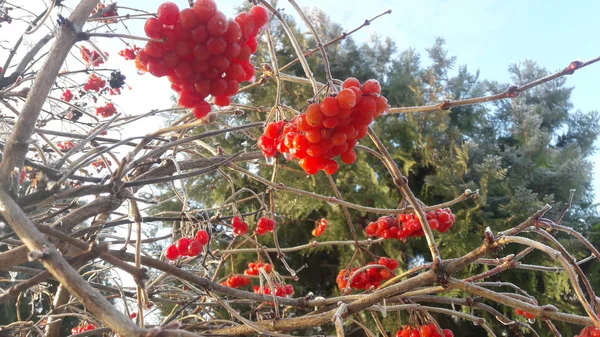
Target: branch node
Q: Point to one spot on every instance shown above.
(35, 255)
(512, 91)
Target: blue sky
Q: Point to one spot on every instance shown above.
(486, 35)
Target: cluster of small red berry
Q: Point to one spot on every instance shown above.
(86, 327)
(100, 164)
(236, 281)
(240, 227)
(281, 290)
(187, 247)
(202, 52)
(320, 227)
(368, 278)
(327, 130)
(407, 225)
(428, 330)
(253, 268)
(108, 13)
(65, 146)
(95, 83)
(91, 57)
(589, 331)
(265, 225)
(106, 111)
(67, 96)
(130, 53)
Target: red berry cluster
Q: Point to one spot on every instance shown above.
(428, 330)
(281, 290)
(187, 247)
(106, 111)
(83, 328)
(368, 278)
(130, 53)
(67, 96)
(202, 52)
(253, 268)
(111, 11)
(589, 331)
(65, 146)
(407, 225)
(236, 281)
(100, 164)
(320, 227)
(240, 227)
(94, 83)
(327, 130)
(91, 57)
(265, 225)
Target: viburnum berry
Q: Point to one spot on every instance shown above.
(239, 226)
(194, 248)
(202, 237)
(236, 281)
(265, 225)
(182, 246)
(67, 95)
(172, 253)
(168, 13)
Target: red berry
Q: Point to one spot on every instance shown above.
(153, 28)
(448, 333)
(348, 157)
(222, 101)
(201, 109)
(216, 45)
(172, 253)
(329, 106)
(168, 13)
(194, 248)
(205, 9)
(182, 246)
(188, 19)
(260, 15)
(218, 87)
(202, 237)
(371, 87)
(310, 165)
(331, 167)
(233, 32)
(351, 82)
(314, 115)
(199, 34)
(217, 25)
(346, 99)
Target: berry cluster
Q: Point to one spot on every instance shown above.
(327, 130)
(106, 111)
(91, 57)
(320, 227)
(368, 278)
(428, 330)
(116, 80)
(265, 225)
(83, 328)
(407, 225)
(94, 83)
(130, 53)
(100, 164)
(67, 96)
(281, 290)
(187, 247)
(240, 227)
(589, 331)
(236, 281)
(107, 12)
(253, 268)
(65, 146)
(202, 52)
